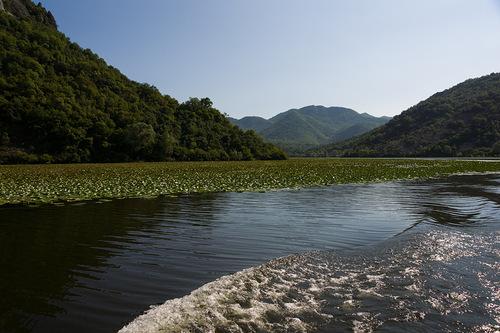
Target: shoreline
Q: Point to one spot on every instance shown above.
(26, 185)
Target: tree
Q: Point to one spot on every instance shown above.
(139, 137)
(496, 149)
(61, 103)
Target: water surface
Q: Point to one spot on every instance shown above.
(96, 266)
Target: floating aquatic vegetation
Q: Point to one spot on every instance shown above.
(38, 184)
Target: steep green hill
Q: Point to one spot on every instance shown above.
(461, 121)
(61, 103)
(257, 124)
(351, 132)
(299, 129)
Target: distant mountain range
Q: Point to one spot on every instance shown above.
(61, 103)
(461, 121)
(297, 130)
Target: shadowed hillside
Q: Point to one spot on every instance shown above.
(461, 121)
(62, 103)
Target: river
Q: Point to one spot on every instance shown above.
(391, 257)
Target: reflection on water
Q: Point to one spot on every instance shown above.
(429, 281)
(94, 267)
(48, 253)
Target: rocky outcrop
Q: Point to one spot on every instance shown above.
(26, 9)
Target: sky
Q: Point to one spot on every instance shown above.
(263, 57)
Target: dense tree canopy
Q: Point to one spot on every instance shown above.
(461, 121)
(61, 103)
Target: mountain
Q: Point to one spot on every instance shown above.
(254, 123)
(299, 129)
(351, 131)
(461, 121)
(62, 103)
(25, 9)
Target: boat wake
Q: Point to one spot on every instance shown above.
(434, 278)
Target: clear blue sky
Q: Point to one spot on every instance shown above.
(262, 57)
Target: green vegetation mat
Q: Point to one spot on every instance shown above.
(36, 184)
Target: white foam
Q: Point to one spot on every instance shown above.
(290, 294)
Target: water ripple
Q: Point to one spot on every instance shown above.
(95, 267)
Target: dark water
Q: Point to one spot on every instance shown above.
(389, 257)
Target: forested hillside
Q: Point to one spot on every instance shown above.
(62, 103)
(297, 130)
(252, 122)
(461, 121)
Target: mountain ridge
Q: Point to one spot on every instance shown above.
(298, 129)
(463, 120)
(26, 9)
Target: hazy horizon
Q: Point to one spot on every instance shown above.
(261, 58)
